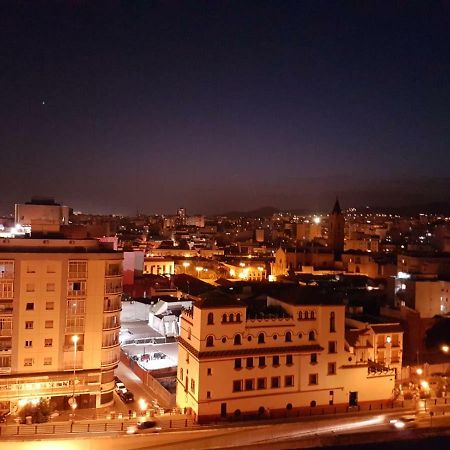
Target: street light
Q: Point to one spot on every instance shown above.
(186, 265)
(445, 348)
(72, 401)
(198, 269)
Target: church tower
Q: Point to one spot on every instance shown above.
(336, 229)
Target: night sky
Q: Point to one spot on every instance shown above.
(223, 105)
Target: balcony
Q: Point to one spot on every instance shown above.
(6, 311)
(112, 307)
(111, 326)
(6, 332)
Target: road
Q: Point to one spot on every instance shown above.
(309, 432)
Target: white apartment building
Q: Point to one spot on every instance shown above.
(290, 354)
(54, 292)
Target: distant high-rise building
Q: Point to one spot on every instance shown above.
(42, 214)
(181, 213)
(336, 229)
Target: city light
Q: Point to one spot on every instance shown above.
(419, 371)
(445, 348)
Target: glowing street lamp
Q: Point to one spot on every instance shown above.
(199, 270)
(445, 348)
(186, 265)
(419, 371)
(73, 401)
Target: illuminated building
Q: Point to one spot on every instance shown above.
(60, 303)
(290, 353)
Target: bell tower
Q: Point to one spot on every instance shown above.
(336, 230)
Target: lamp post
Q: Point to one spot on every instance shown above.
(72, 401)
(199, 270)
(186, 265)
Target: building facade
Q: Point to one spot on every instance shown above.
(294, 355)
(60, 303)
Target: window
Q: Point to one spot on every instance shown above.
(30, 287)
(28, 362)
(261, 383)
(313, 358)
(237, 339)
(249, 363)
(210, 341)
(31, 269)
(300, 315)
(49, 324)
(249, 385)
(49, 306)
(238, 363)
(192, 385)
(29, 325)
(224, 318)
(312, 315)
(209, 371)
(332, 322)
(275, 361)
(28, 344)
(237, 385)
(77, 269)
(76, 306)
(332, 368)
(289, 380)
(208, 394)
(47, 361)
(78, 288)
(261, 339)
(238, 317)
(288, 337)
(50, 287)
(189, 333)
(275, 382)
(289, 360)
(48, 342)
(51, 269)
(262, 361)
(313, 379)
(181, 374)
(332, 347)
(29, 306)
(210, 319)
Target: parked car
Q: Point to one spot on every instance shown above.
(404, 422)
(120, 387)
(126, 396)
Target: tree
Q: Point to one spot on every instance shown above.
(39, 413)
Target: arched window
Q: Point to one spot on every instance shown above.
(332, 322)
(238, 317)
(210, 341)
(312, 315)
(261, 338)
(312, 335)
(231, 317)
(306, 315)
(210, 319)
(237, 339)
(288, 337)
(224, 318)
(300, 315)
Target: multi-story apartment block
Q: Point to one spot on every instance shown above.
(274, 354)
(60, 303)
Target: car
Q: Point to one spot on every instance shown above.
(126, 396)
(404, 422)
(120, 387)
(148, 426)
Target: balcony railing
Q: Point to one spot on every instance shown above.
(6, 332)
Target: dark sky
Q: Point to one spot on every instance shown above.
(218, 105)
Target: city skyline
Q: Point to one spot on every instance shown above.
(217, 106)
